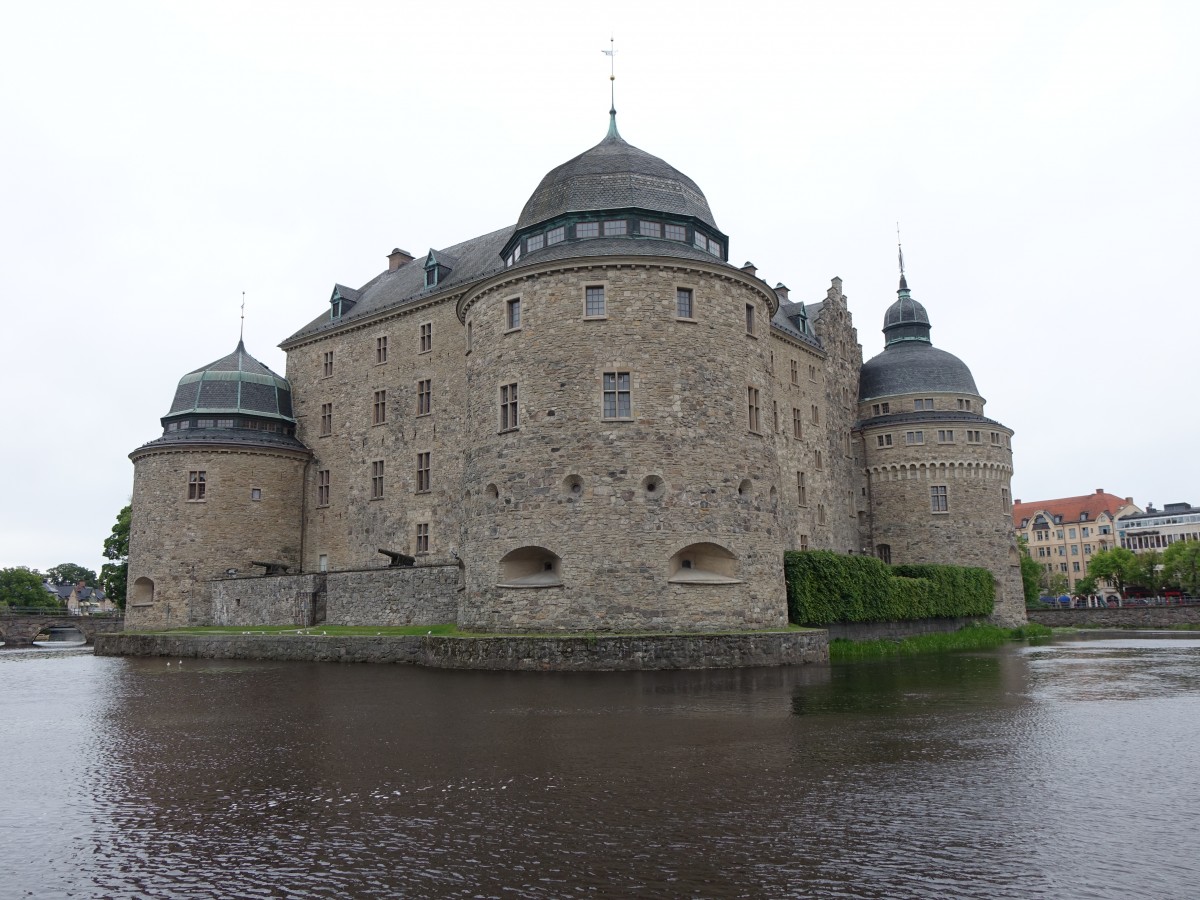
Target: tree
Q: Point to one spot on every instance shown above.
(70, 573)
(1181, 565)
(20, 586)
(1058, 584)
(1031, 572)
(1086, 586)
(1118, 566)
(113, 575)
(1150, 574)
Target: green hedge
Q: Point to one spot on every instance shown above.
(825, 587)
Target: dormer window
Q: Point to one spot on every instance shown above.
(534, 243)
(1083, 517)
(341, 301)
(437, 270)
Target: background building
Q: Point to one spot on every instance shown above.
(1063, 534)
(589, 420)
(1157, 529)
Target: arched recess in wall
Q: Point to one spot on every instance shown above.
(703, 563)
(143, 592)
(530, 567)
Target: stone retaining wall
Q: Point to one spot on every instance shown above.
(278, 599)
(580, 654)
(1125, 617)
(414, 595)
(894, 631)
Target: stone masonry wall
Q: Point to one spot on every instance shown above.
(417, 595)
(266, 600)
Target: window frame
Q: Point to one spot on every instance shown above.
(377, 479)
(616, 393)
(379, 408)
(510, 415)
(753, 409)
(323, 482)
(326, 424)
(327, 364)
(512, 315)
(197, 483)
(381, 349)
(595, 292)
(680, 292)
(424, 480)
(424, 397)
(939, 498)
(426, 338)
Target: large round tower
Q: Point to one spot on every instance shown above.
(618, 470)
(938, 471)
(221, 488)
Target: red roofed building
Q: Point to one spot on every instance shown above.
(1063, 534)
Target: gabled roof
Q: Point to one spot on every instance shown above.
(1071, 509)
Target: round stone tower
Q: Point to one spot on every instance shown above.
(222, 488)
(618, 472)
(938, 471)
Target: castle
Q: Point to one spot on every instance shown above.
(588, 421)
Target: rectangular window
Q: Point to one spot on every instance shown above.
(323, 487)
(804, 542)
(819, 459)
(714, 248)
(1074, 549)
(816, 414)
(883, 440)
(423, 537)
(255, 494)
(795, 372)
(812, 373)
(945, 436)
(938, 501)
(426, 337)
(676, 233)
(556, 235)
(1004, 498)
(775, 416)
(424, 396)
(377, 480)
(797, 424)
(326, 419)
(327, 364)
(587, 229)
(875, 409)
(974, 437)
(508, 407)
(380, 350)
(683, 303)
(914, 437)
(752, 400)
(196, 483)
(1071, 533)
(380, 408)
(886, 408)
(512, 314)
(422, 472)
(699, 240)
(534, 242)
(750, 318)
(801, 490)
(593, 302)
(617, 395)
(650, 229)
(615, 227)
(1074, 567)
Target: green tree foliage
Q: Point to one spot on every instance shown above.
(1057, 584)
(1150, 575)
(113, 575)
(1181, 565)
(1117, 566)
(70, 573)
(20, 586)
(1086, 586)
(1031, 572)
(825, 587)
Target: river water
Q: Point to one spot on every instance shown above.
(1067, 770)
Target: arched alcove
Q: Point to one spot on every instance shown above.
(143, 592)
(530, 567)
(703, 563)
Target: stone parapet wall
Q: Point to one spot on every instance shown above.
(275, 600)
(416, 595)
(1125, 617)
(517, 653)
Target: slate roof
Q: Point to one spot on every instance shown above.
(1070, 508)
(473, 259)
(237, 383)
(625, 245)
(782, 320)
(932, 418)
(912, 367)
(615, 175)
(250, 437)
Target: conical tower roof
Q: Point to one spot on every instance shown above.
(235, 384)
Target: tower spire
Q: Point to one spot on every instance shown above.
(242, 327)
(900, 251)
(611, 53)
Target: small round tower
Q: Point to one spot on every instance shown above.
(938, 470)
(221, 488)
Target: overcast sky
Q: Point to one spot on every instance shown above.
(161, 158)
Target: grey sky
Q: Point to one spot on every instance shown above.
(162, 158)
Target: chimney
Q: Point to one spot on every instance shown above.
(749, 268)
(1018, 500)
(1099, 490)
(1129, 500)
(782, 290)
(397, 258)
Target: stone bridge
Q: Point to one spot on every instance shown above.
(19, 629)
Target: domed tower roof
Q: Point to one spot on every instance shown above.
(909, 362)
(615, 175)
(235, 384)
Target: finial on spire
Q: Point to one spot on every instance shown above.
(611, 53)
(900, 251)
(242, 327)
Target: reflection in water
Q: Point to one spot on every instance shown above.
(1062, 770)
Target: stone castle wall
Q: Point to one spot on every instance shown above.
(275, 600)
(610, 503)
(416, 595)
(177, 545)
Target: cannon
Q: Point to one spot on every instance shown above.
(397, 559)
(273, 568)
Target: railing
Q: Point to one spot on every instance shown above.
(56, 611)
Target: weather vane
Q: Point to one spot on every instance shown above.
(900, 249)
(611, 53)
(242, 327)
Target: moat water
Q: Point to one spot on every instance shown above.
(1068, 770)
